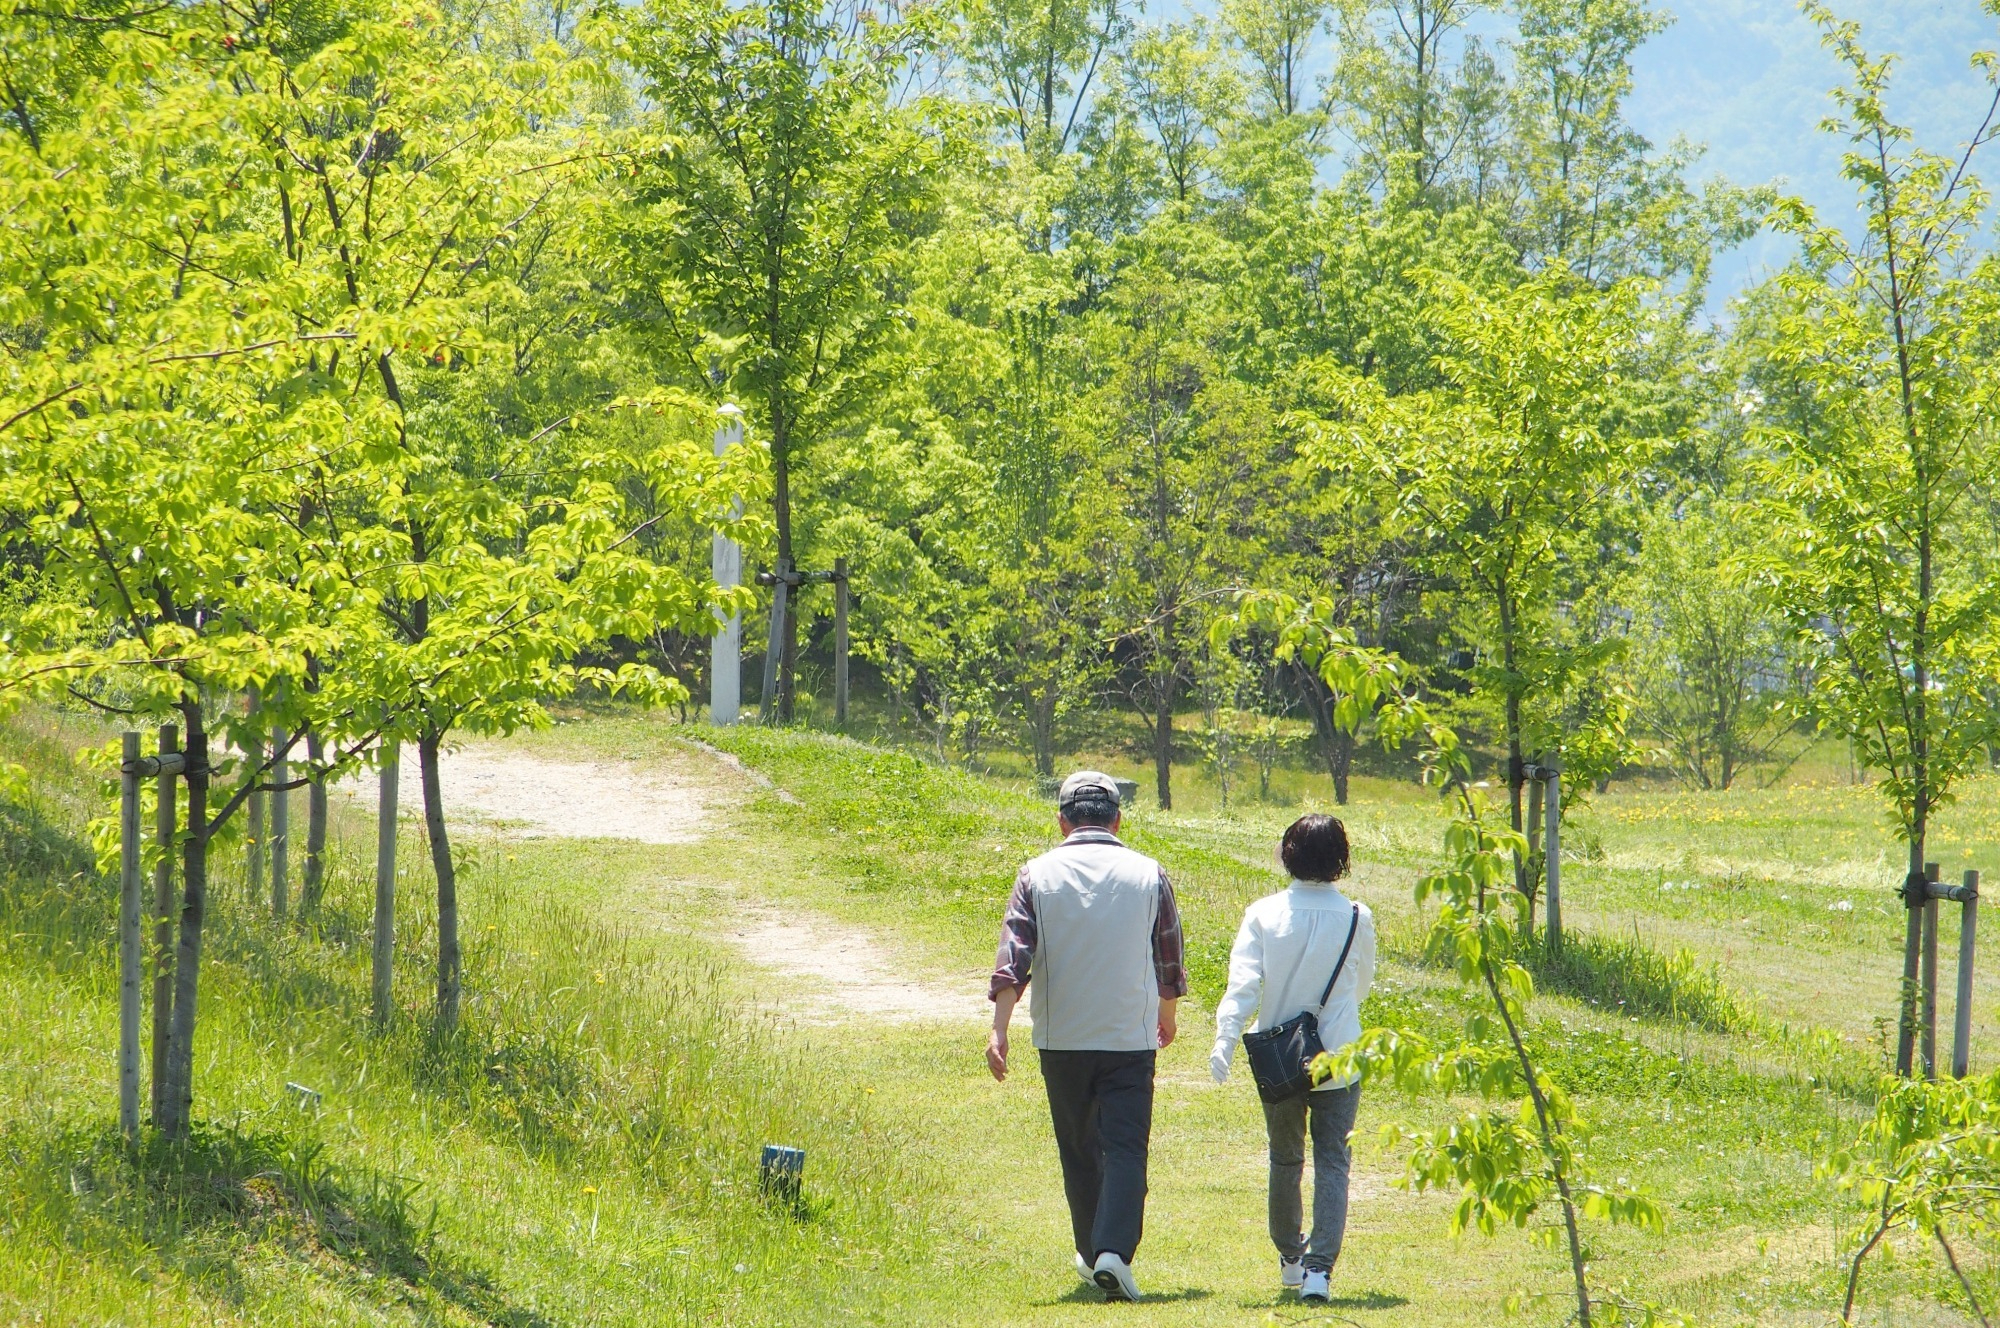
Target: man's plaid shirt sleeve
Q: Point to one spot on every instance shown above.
(1169, 969)
(1019, 932)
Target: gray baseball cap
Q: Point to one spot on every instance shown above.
(1088, 786)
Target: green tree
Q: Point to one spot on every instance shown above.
(765, 225)
(1714, 682)
(1422, 99)
(1182, 87)
(1505, 474)
(209, 446)
(1276, 37)
(1186, 447)
(1040, 60)
(1882, 470)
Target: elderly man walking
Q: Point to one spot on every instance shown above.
(1095, 924)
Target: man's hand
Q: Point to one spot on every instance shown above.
(996, 1041)
(1168, 1023)
(1218, 1061)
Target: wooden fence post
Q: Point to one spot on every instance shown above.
(1968, 923)
(163, 918)
(254, 849)
(383, 984)
(1552, 851)
(840, 642)
(281, 831)
(130, 970)
(1927, 1023)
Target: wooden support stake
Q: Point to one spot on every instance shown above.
(1961, 1032)
(1552, 851)
(255, 848)
(163, 918)
(840, 642)
(385, 891)
(1927, 1024)
(130, 968)
(281, 832)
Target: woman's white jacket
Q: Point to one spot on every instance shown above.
(1284, 951)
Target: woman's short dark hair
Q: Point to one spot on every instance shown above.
(1315, 848)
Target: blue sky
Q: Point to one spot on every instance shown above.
(1749, 79)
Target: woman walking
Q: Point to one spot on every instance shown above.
(1308, 949)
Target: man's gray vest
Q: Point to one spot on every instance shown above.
(1093, 986)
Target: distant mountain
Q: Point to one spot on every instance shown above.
(1750, 79)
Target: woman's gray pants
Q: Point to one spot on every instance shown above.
(1332, 1113)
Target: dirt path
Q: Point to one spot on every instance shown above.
(835, 971)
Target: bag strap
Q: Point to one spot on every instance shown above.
(1353, 925)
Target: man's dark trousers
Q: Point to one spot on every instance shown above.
(1102, 1105)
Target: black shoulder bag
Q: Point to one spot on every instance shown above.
(1281, 1058)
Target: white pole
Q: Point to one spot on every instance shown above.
(725, 665)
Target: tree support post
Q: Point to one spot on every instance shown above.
(1913, 891)
(1968, 923)
(132, 768)
(281, 832)
(254, 850)
(1552, 849)
(840, 642)
(383, 974)
(163, 915)
(129, 967)
(1928, 1048)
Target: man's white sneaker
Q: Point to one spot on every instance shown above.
(1315, 1287)
(1115, 1276)
(1291, 1273)
(1084, 1270)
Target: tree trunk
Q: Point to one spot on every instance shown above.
(449, 968)
(1163, 740)
(1042, 720)
(177, 1096)
(1336, 745)
(314, 884)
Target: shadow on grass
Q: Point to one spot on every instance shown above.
(1090, 1295)
(204, 1207)
(1296, 1310)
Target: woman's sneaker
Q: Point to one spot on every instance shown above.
(1316, 1287)
(1115, 1276)
(1084, 1270)
(1291, 1273)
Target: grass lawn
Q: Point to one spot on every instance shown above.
(587, 1154)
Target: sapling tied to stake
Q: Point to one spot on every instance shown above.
(1508, 1164)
